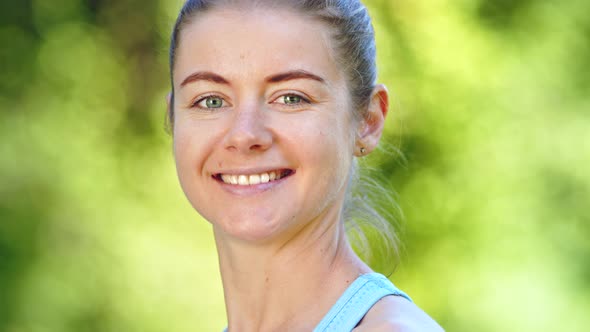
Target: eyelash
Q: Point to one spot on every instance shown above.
(203, 98)
(303, 101)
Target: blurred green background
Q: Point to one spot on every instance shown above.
(490, 107)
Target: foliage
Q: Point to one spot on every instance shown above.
(490, 110)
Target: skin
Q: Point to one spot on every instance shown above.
(284, 106)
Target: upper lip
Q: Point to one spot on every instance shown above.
(251, 171)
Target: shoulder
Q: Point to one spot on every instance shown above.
(396, 314)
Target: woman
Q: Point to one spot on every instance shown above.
(271, 101)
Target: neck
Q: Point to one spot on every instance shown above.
(288, 284)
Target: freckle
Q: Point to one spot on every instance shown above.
(219, 164)
(242, 57)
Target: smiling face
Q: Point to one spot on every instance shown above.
(263, 130)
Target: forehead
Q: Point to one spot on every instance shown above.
(252, 42)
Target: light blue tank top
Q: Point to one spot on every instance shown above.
(356, 301)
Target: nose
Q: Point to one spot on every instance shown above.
(248, 132)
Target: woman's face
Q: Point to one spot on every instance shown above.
(263, 131)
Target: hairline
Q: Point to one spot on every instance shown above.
(328, 35)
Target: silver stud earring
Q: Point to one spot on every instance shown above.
(363, 150)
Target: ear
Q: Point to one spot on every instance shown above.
(371, 127)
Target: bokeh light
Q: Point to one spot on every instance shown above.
(490, 110)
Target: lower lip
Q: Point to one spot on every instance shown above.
(252, 189)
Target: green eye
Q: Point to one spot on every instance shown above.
(291, 99)
(210, 102)
(213, 102)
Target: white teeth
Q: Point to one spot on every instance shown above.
(253, 179)
(264, 177)
(243, 180)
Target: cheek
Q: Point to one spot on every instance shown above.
(182, 147)
(329, 150)
(192, 143)
(338, 139)
(190, 146)
(183, 157)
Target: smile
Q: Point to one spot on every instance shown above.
(253, 179)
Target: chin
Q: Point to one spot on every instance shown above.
(248, 228)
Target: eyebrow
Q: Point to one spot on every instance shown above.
(204, 76)
(281, 77)
(293, 75)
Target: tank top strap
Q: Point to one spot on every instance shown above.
(356, 301)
